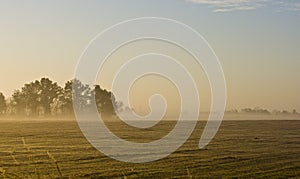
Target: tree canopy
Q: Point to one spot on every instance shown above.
(44, 97)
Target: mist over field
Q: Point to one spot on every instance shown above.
(249, 143)
(242, 148)
(149, 89)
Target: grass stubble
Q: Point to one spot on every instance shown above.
(32, 164)
(240, 149)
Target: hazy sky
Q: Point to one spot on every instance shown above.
(257, 41)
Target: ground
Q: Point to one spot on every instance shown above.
(55, 149)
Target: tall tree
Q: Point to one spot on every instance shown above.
(18, 103)
(2, 104)
(35, 96)
(48, 92)
(78, 95)
(47, 96)
(105, 101)
(31, 94)
(67, 103)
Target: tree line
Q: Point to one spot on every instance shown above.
(44, 97)
(258, 110)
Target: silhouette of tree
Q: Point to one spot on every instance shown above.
(105, 101)
(47, 97)
(67, 101)
(31, 96)
(2, 104)
(18, 102)
(255, 110)
(26, 100)
(79, 93)
(48, 92)
(35, 97)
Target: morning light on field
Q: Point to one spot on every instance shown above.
(149, 89)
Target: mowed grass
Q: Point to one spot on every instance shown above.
(57, 149)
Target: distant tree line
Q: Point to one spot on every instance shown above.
(258, 110)
(44, 97)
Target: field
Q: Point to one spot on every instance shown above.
(57, 149)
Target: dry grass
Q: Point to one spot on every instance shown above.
(32, 149)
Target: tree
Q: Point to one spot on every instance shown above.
(284, 112)
(35, 97)
(48, 92)
(18, 103)
(294, 111)
(26, 100)
(255, 110)
(2, 104)
(31, 93)
(78, 95)
(105, 101)
(66, 98)
(47, 97)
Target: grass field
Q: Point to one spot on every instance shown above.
(57, 149)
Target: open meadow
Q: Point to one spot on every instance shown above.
(58, 149)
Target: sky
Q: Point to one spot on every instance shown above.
(256, 41)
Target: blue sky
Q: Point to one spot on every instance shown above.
(257, 41)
